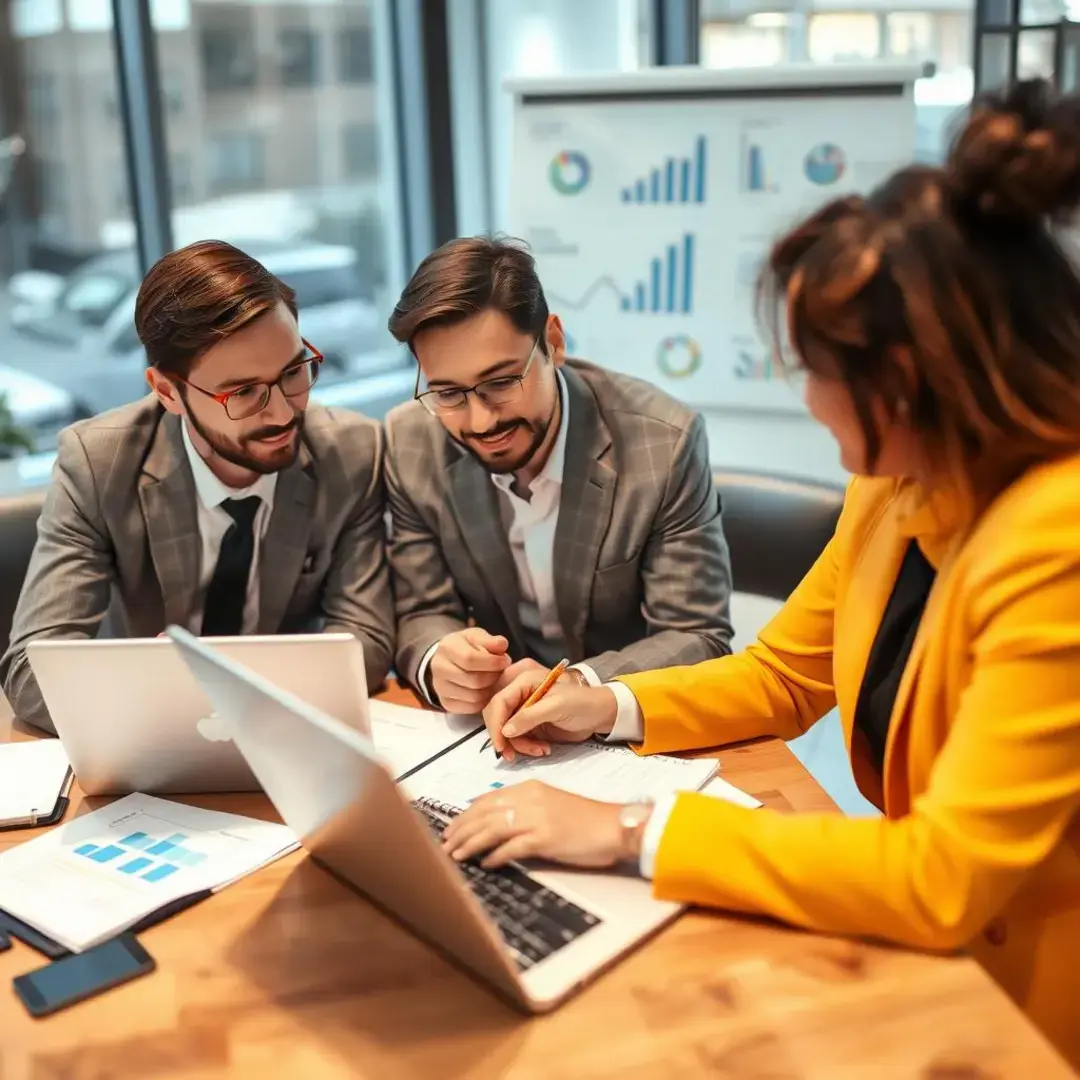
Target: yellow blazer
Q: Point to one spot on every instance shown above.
(979, 846)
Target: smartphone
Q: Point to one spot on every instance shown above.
(64, 982)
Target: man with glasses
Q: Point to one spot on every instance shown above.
(541, 507)
(222, 501)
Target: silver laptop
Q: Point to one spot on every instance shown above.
(132, 717)
(536, 936)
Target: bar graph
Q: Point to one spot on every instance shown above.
(154, 860)
(755, 177)
(677, 180)
(669, 286)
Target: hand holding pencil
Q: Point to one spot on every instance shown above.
(536, 709)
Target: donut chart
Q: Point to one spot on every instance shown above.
(825, 164)
(569, 172)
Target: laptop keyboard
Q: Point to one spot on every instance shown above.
(534, 921)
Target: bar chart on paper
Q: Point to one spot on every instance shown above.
(677, 180)
(140, 855)
(669, 284)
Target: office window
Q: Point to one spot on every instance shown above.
(361, 151)
(235, 161)
(229, 60)
(355, 55)
(181, 180)
(299, 49)
(844, 36)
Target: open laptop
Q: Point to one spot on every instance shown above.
(132, 717)
(535, 936)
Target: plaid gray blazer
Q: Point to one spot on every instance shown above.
(642, 575)
(118, 537)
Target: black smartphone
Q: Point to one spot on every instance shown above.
(75, 978)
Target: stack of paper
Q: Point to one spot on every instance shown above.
(102, 873)
(408, 737)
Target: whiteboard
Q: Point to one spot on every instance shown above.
(650, 200)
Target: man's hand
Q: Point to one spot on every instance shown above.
(466, 669)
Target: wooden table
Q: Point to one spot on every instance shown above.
(290, 974)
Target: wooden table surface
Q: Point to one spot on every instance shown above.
(290, 974)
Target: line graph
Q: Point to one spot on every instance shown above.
(599, 285)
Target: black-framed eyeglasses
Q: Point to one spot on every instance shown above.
(246, 401)
(497, 391)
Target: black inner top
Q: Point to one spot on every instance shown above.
(891, 649)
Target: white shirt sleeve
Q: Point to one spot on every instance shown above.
(590, 676)
(421, 673)
(654, 831)
(629, 723)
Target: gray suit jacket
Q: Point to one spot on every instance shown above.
(119, 536)
(642, 576)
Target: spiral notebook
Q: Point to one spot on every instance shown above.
(609, 773)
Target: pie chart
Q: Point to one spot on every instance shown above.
(825, 164)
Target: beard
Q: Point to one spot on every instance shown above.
(497, 463)
(243, 452)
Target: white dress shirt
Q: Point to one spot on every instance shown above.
(214, 522)
(530, 527)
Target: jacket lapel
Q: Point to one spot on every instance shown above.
(588, 491)
(167, 498)
(285, 546)
(474, 504)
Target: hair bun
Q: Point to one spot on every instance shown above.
(1018, 156)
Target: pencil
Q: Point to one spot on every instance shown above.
(550, 679)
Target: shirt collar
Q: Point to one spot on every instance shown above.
(555, 465)
(211, 491)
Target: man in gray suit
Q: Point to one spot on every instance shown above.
(223, 501)
(541, 507)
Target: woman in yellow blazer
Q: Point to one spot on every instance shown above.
(938, 326)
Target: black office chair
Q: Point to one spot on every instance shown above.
(776, 527)
(18, 531)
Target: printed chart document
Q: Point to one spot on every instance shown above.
(407, 737)
(592, 769)
(95, 877)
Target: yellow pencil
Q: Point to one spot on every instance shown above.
(550, 679)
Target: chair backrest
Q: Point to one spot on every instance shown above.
(776, 527)
(18, 533)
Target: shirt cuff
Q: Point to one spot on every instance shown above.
(590, 676)
(653, 834)
(629, 721)
(421, 674)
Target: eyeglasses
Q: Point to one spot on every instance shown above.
(246, 401)
(498, 391)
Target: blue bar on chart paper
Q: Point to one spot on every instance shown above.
(655, 284)
(187, 858)
(669, 180)
(86, 849)
(684, 181)
(624, 303)
(160, 872)
(755, 170)
(639, 189)
(107, 854)
(162, 847)
(137, 840)
(672, 274)
(700, 178)
(654, 186)
(627, 195)
(688, 272)
(639, 296)
(135, 865)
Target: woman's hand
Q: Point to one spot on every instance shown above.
(569, 712)
(532, 820)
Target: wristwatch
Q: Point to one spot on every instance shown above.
(632, 820)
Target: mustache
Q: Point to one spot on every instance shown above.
(272, 432)
(499, 429)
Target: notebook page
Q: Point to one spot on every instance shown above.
(32, 775)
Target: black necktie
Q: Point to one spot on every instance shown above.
(223, 613)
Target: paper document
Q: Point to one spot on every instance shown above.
(33, 776)
(407, 737)
(88, 880)
(608, 773)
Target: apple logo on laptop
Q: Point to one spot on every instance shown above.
(214, 728)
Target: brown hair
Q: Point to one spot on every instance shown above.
(198, 296)
(946, 297)
(467, 276)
